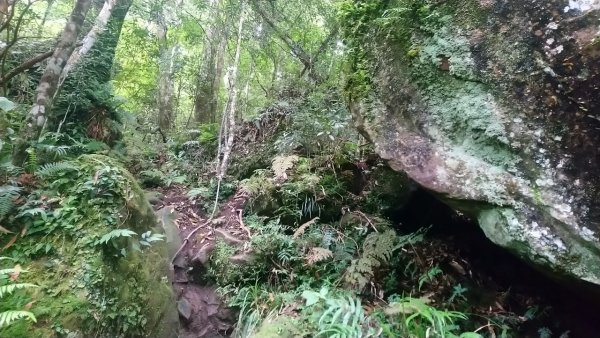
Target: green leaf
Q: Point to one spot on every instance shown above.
(311, 297)
(10, 288)
(470, 335)
(8, 317)
(115, 234)
(6, 104)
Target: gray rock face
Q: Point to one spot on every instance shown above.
(495, 106)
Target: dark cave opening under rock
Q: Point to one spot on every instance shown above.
(571, 306)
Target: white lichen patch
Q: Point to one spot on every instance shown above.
(455, 48)
(588, 234)
(582, 5)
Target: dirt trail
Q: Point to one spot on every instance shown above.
(202, 314)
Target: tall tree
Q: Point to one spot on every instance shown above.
(51, 76)
(86, 93)
(208, 83)
(91, 37)
(229, 116)
(302, 53)
(166, 88)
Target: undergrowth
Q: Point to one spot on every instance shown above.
(81, 225)
(317, 266)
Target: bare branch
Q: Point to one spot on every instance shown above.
(25, 65)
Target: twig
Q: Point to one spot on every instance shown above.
(363, 216)
(187, 239)
(242, 225)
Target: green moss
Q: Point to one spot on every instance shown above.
(398, 22)
(459, 104)
(86, 287)
(280, 327)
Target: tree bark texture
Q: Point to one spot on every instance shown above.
(50, 78)
(166, 73)
(208, 83)
(91, 37)
(229, 117)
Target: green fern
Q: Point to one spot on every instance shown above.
(8, 195)
(53, 150)
(341, 317)
(8, 317)
(420, 317)
(378, 248)
(53, 169)
(115, 234)
(31, 164)
(10, 288)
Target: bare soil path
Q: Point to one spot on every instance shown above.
(202, 314)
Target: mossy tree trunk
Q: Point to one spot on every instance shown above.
(86, 92)
(49, 82)
(211, 70)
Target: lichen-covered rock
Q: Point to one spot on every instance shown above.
(495, 106)
(94, 281)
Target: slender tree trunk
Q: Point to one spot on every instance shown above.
(91, 37)
(49, 80)
(274, 75)
(229, 117)
(218, 79)
(45, 17)
(166, 74)
(211, 70)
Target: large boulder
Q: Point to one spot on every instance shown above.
(494, 106)
(92, 250)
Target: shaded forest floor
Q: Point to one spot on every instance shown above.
(201, 311)
(500, 285)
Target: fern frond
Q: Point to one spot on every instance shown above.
(8, 317)
(8, 195)
(300, 231)
(378, 248)
(31, 164)
(53, 169)
(53, 150)
(9, 169)
(10, 288)
(281, 164)
(115, 234)
(316, 255)
(342, 318)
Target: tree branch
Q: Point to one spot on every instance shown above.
(25, 66)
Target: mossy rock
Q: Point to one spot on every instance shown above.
(280, 327)
(88, 288)
(493, 106)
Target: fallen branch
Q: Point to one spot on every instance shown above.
(26, 65)
(187, 239)
(242, 225)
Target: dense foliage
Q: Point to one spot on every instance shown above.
(169, 91)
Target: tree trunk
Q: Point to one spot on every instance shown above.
(91, 37)
(85, 88)
(229, 116)
(166, 74)
(45, 17)
(208, 83)
(49, 80)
